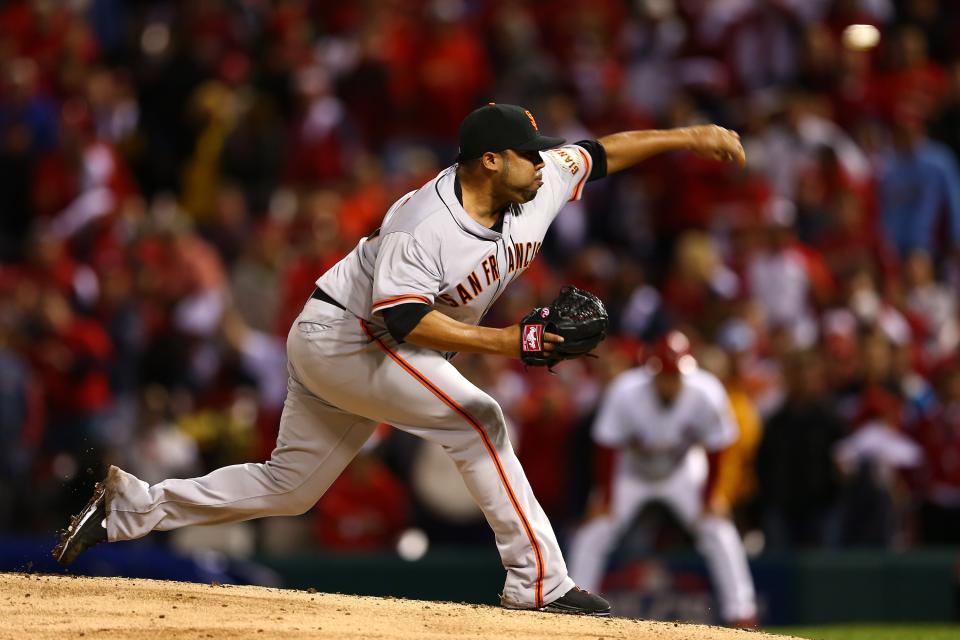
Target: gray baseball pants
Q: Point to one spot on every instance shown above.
(345, 377)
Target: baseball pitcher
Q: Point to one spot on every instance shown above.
(374, 341)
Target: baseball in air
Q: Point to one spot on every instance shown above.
(861, 37)
(412, 544)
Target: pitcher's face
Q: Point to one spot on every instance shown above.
(521, 175)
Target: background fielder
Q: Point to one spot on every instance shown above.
(663, 418)
(373, 345)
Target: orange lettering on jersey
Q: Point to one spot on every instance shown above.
(446, 298)
(486, 270)
(570, 163)
(474, 283)
(465, 297)
(494, 267)
(528, 255)
(536, 249)
(510, 264)
(518, 251)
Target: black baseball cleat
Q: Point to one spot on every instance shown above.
(88, 528)
(579, 602)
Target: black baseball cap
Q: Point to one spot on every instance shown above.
(496, 127)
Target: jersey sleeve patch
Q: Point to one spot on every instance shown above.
(574, 166)
(567, 159)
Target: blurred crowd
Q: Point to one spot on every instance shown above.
(174, 175)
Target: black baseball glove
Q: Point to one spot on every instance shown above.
(577, 315)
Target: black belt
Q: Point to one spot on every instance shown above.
(321, 295)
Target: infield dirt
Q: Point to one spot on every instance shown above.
(41, 607)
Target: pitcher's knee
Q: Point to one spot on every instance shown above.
(487, 412)
(292, 496)
(296, 503)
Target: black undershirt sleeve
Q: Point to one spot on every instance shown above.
(599, 156)
(403, 318)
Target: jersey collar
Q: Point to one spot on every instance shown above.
(458, 191)
(446, 191)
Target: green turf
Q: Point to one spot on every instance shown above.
(874, 632)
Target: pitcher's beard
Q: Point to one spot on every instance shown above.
(522, 195)
(527, 195)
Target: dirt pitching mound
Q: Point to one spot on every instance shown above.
(39, 607)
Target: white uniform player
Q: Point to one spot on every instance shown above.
(374, 341)
(663, 429)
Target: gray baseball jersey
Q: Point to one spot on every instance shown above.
(347, 374)
(430, 250)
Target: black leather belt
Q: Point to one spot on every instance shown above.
(321, 295)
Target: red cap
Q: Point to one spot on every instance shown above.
(671, 354)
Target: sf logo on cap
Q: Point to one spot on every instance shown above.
(532, 120)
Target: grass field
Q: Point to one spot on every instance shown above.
(874, 632)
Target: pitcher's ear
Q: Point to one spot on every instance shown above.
(492, 160)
